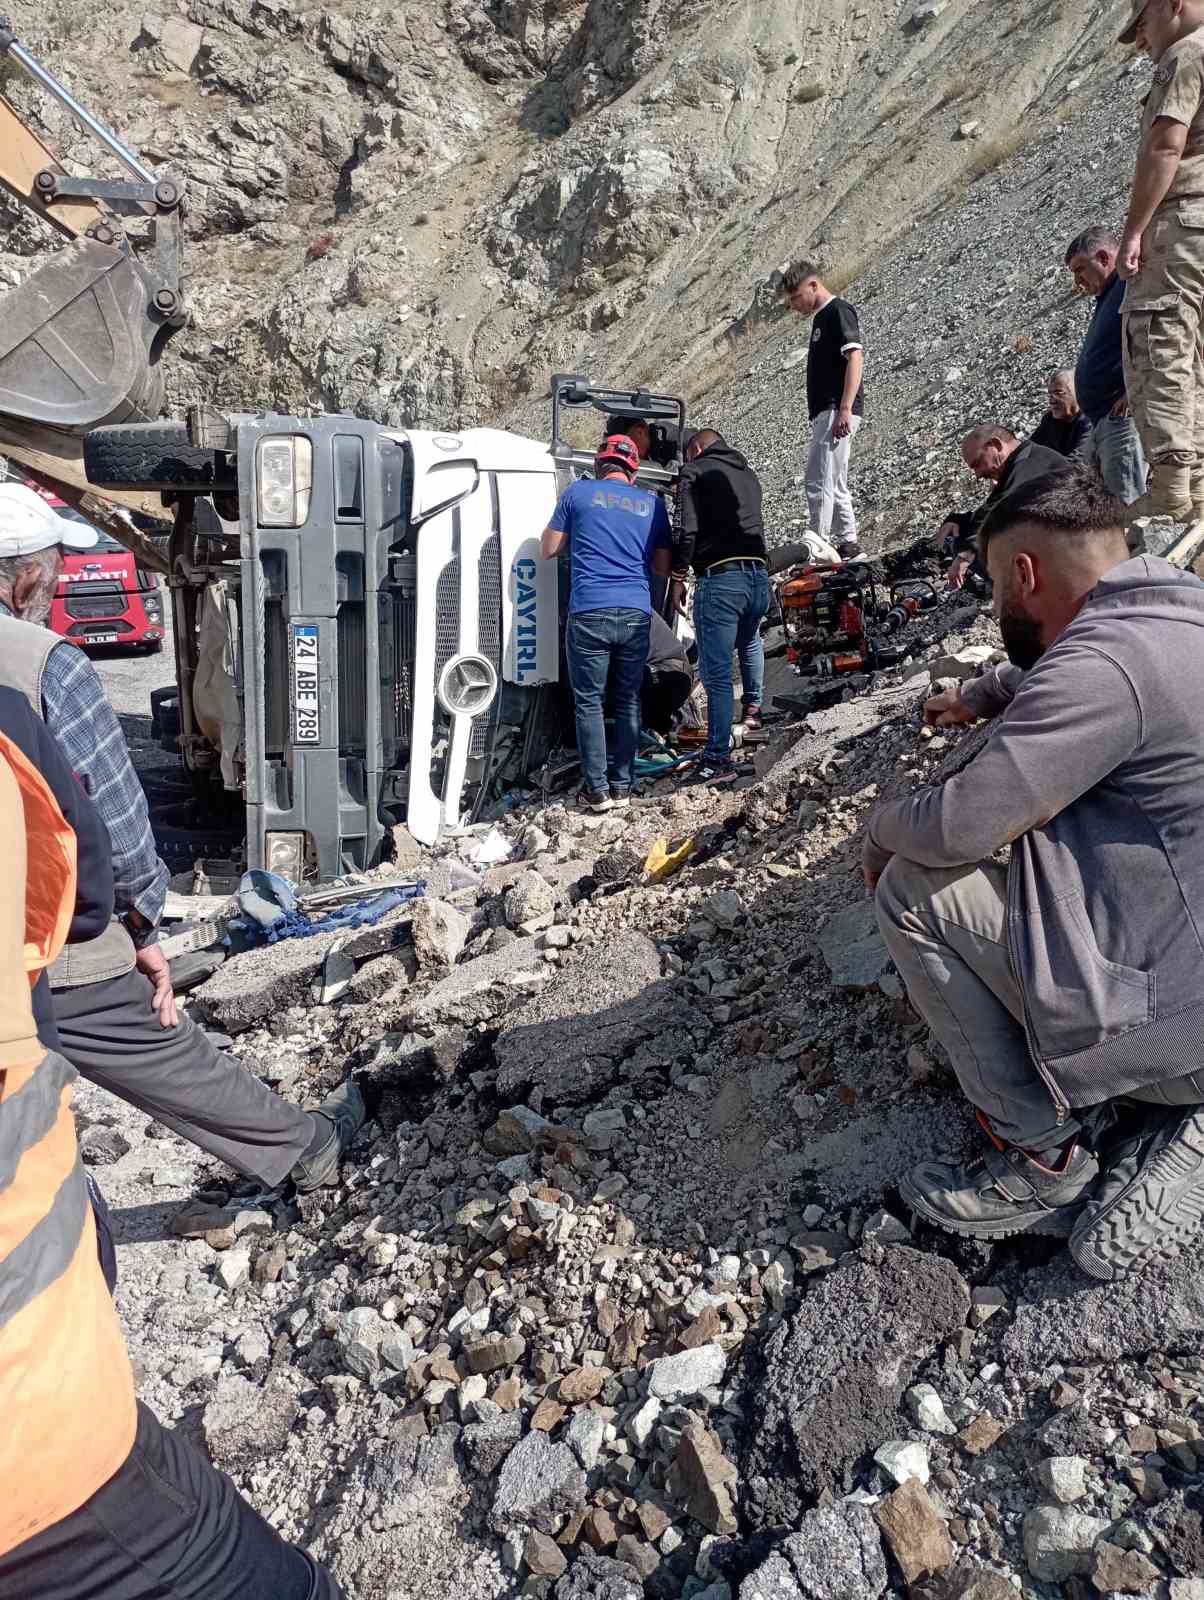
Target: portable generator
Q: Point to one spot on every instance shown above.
(836, 618)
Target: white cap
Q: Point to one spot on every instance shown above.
(28, 524)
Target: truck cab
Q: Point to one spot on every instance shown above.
(365, 631)
(104, 596)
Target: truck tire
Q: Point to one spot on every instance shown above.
(155, 455)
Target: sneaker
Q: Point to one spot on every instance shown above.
(1150, 1200)
(336, 1122)
(597, 803)
(752, 719)
(706, 771)
(620, 800)
(1005, 1191)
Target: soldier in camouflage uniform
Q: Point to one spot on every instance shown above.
(1162, 256)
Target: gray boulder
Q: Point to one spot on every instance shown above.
(593, 1577)
(487, 1444)
(539, 1482)
(773, 1580)
(528, 899)
(604, 1016)
(1063, 1317)
(440, 933)
(244, 1425)
(835, 1373)
(837, 1554)
(853, 949)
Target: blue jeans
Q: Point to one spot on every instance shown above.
(607, 648)
(729, 607)
(1114, 449)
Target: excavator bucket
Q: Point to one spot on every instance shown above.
(80, 339)
(77, 343)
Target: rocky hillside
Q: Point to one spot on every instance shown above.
(417, 214)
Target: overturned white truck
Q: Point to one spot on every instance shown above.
(375, 639)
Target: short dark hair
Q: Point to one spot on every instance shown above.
(1070, 501)
(705, 439)
(1096, 237)
(797, 274)
(623, 422)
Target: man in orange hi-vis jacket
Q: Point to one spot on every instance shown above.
(98, 1499)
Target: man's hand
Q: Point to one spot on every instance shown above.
(874, 863)
(956, 575)
(1128, 259)
(1121, 408)
(842, 425)
(153, 964)
(677, 596)
(948, 710)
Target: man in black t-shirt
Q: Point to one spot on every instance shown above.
(834, 402)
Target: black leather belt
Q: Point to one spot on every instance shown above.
(755, 562)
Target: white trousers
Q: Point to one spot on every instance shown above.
(829, 502)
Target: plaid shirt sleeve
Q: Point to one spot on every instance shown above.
(86, 727)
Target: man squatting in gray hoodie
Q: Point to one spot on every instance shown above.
(1068, 986)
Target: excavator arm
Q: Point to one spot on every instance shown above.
(82, 337)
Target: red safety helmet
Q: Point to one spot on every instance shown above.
(621, 451)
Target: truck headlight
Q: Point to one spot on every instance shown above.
(286, 855)
(284, 475)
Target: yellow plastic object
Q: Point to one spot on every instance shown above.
(660, 864)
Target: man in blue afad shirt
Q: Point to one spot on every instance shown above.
(617, 533)
(1114, 448)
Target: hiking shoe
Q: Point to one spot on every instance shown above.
(336, 1122)
(1005, 1191)
(1150, 1200)
(752, 719)
(597, 803)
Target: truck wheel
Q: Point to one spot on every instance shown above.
(155, 455)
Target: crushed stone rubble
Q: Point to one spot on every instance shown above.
(616, 1296)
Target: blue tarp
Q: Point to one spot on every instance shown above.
(272, 912)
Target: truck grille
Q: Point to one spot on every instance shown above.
(353, 679)
(447, 616)
(112, 604)
(405, 646)
(275, 677)
(489, 629)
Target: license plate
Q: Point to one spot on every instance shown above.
(102, 638)
(307, 726)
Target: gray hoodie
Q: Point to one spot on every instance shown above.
(1095, 776)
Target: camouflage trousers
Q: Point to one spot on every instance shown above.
(1164, 345)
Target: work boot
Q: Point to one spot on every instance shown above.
(1168, 494)
(336, 1122)
(1005, 1191)
(1150, 1200)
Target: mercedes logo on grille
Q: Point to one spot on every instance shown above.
(467, 686)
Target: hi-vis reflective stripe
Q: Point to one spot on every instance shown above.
(27, 1116)
(47, 1250)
